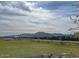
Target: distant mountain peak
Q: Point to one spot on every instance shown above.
(38, 34)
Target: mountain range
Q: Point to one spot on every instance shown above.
(38, 34)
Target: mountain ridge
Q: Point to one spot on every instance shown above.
(37, 34)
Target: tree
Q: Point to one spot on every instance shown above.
(75, 18)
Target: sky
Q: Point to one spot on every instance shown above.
(36, 16)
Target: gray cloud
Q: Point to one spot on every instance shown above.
(16, 4)
(14, 8)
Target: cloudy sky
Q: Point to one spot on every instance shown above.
(38, 16)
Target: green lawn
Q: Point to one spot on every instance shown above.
(28, 47)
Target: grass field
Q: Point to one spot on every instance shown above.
(28, 47)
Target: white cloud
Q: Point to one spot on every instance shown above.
(25, 17)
